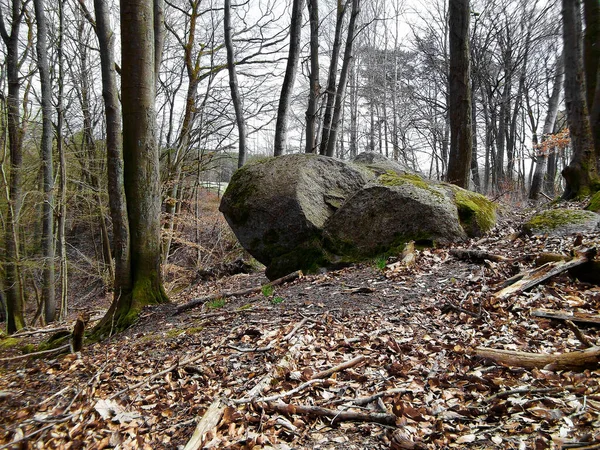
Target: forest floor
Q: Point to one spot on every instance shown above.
(410, 332)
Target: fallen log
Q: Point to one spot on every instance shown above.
(575, 316)
(580, 359)
(241, 293)
(335, 415)
(541, 274)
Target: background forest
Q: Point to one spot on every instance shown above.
(385, 75)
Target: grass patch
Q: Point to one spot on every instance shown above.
(245, 307)
(267, 290)
(381, 262)
(8, 342)
(193, 330)
(216, 303)
(277, 300)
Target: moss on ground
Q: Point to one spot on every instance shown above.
(8, 342)
(555, 218)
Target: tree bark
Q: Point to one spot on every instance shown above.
(591, 60)
(461, 140)
(339, 95)
(13, 289)
(114, 152)
(581, 171)
(141, 167)
(330, 91)
(553, 103)
(288, 81)
(314, 89)
(234, 86)
(48, 294)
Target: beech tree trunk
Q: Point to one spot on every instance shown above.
(141, 167)
(553, 103)
(114, 152)
(461, 140)
(48, 295)
(330, 91)
(339, 95)
(233, 85)
(314, 89)
(581, 171)
(14, 294)
(591, 60)
(288, 81)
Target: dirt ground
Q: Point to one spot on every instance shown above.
(411, 332)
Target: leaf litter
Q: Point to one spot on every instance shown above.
(352, 359)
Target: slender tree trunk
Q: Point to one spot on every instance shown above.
(542, 158)
(474, 163)
(339, 97)
(12, 283)
(314, 90)
(290, 76)
(159, 37)
(461, 139)
(330, 91)
(62, 164)
(233, 85)
(353, 110)
(114, 152)
(581, 171)
(48, 295)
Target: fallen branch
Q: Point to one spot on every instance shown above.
(362, 401)
(339, 367)
(45, 352)
(579, 334)
(580, 359)
(335, 415)
(210, 420)
(242, 293)
(39, 331)
(477, 256)
(272, 398)
(252, 349)
(541, 274)
(575, 316)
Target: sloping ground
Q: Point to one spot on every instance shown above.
(415, 327)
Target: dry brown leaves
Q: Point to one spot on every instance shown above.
(416, 328)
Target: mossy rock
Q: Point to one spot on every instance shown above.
(562, 222)
(477, 214)
(594, 204)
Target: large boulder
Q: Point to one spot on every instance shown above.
(278, 206)
(561, 222)
(396, 209)
(308, 211)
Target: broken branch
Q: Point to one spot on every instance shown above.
(581, 359)
(339, 367)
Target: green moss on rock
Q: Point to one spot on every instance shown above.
(554, 219)
(476, 213)
(594, 204)
(393, 179)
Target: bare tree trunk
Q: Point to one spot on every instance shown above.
(474, 163)
(289, 78)
(339, 98)
(14, 299)
(114, 152)
(48, 295)
(591, 60)
(233, 85)
(159, 36)
(62, 164)
(353, 110)
(141, 167)
(553, 103)
(581, 171)
(461, 139)
(314, 90)
(330, 91)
